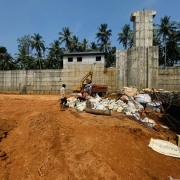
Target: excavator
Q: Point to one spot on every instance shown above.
(101, 90)
(85, 78)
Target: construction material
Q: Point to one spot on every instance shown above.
(97, 111)
(165, 147)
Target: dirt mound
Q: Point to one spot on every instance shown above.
(38, 141)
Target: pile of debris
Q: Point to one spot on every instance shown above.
(129, 102)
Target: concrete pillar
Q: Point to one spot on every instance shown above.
(143, 27)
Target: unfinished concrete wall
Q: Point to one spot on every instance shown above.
(138, 66)
(143, 27)
(169, 78)
(121, 68)
(152, 67)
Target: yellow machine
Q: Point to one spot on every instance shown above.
(85, 78)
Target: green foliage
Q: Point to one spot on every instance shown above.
(168, 32)
(54, 60)
(32, 49)
(25, 43)
(3, 49)
(65, 36)
(38, 44)
(103, 36)
(6, 61)
(126, 36)
(111, 58)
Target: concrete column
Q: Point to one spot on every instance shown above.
(143, 27)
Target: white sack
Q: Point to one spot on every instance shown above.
(165, 147)
(143, 98)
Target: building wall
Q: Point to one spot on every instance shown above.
(169, 78)
(137, 67)
(90, 59)
(50, 81)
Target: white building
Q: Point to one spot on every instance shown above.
(84, 58)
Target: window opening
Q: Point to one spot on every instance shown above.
(79, 59)
(98, 58)
(70, 59)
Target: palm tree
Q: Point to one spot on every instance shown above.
(55, 52)
(65, 36)
(24, 61)
(111, 58)
(39, 46)
(74, 45)
(165, 29)
(6, 60)
(172, 50)
(103, 34)
(93, 47)
(126, 36)
(84, 45)
(106, 46)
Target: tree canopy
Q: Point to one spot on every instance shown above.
(33, 54)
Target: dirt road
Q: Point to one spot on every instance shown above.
(38, 141)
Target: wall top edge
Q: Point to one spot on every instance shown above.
(138, 13)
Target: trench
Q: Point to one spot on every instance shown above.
(173, 112)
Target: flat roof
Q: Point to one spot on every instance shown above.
(84, 53)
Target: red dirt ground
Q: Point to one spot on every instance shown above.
(38, 141)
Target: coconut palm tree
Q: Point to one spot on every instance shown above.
(38, 44)
(24, 60)
(172, 50)
(103, 34)
(126, 36)
(84, 45)
(93, 47)
(106, 46)
(111, 58)
(54, 57)
(165, 29)
(65, 36)
(74, 45)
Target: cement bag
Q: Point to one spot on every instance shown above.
(120, 109)
(115, 107)
(143, 98)
(101, 107)
(71, 104)
(149, 122)
(81, 107)
(131, 109)
(130, 91)
(154, 105)
(111, 106)
(131, 104)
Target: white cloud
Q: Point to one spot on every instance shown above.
(77, 28)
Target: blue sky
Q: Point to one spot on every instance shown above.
(83, 17)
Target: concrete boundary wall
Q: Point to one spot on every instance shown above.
(50, 81)
(169, 78)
